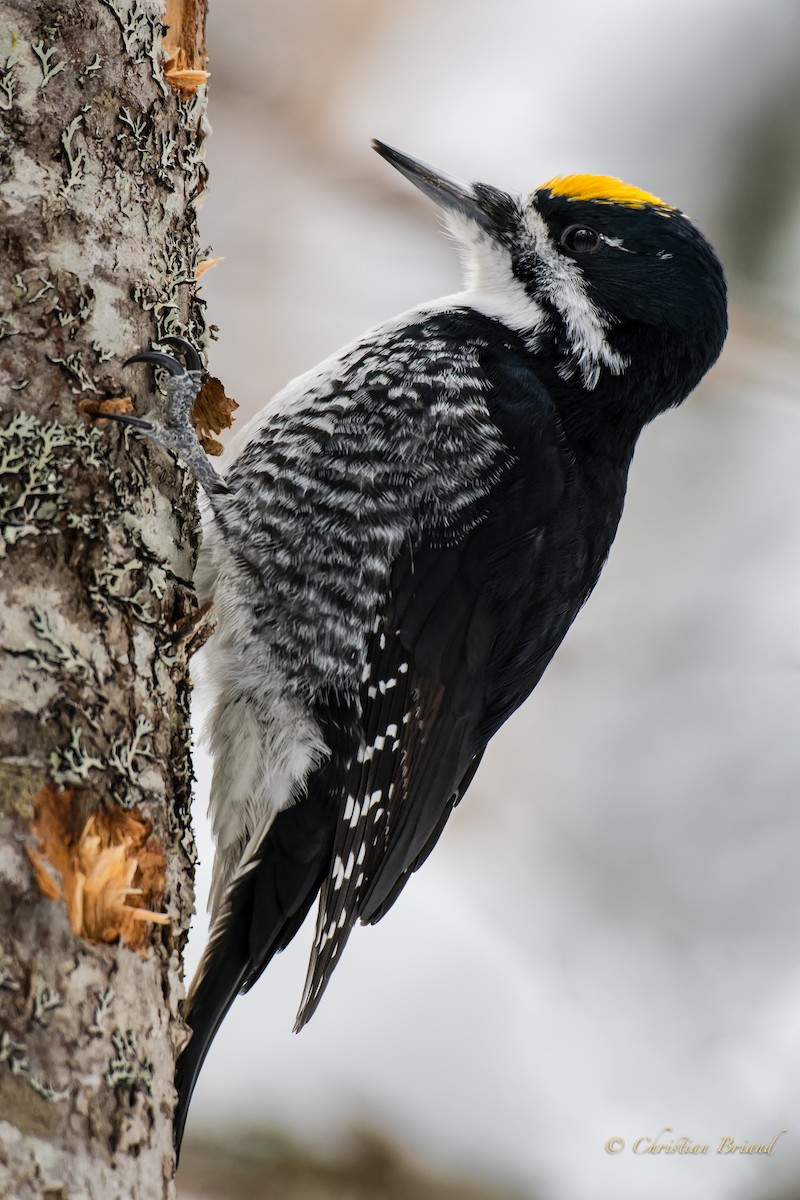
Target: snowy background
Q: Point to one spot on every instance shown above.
(607, 940)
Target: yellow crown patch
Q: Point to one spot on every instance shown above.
(604, 189)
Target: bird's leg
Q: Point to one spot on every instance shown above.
(176, 433)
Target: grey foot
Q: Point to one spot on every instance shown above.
(176, 433)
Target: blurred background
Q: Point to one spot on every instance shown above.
(606, 943)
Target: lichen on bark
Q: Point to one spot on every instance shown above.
(101, 169)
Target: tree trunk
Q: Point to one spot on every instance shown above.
(100, 171)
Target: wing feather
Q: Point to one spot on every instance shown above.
(421, 702)
(456, 646)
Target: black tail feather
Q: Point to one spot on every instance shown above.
(223, 970)
(262, 911)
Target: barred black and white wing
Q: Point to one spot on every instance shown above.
(436, 686)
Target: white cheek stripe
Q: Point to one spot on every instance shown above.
(564, 286)
(493, 289)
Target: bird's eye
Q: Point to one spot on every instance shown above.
(581, 240)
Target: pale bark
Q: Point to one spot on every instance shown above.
(100, 172)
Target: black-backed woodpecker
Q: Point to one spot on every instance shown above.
(401, 539)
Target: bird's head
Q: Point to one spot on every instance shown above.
(604, 280)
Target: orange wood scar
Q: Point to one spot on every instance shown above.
(184, 45)
(212, 412)
(108, 869)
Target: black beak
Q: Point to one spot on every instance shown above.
(445, 190)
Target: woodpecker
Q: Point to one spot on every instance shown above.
(401, 540)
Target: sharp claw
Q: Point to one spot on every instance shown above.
(125, 419)
(193, 360)
(159, 360)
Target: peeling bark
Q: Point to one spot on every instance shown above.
(100, 171)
